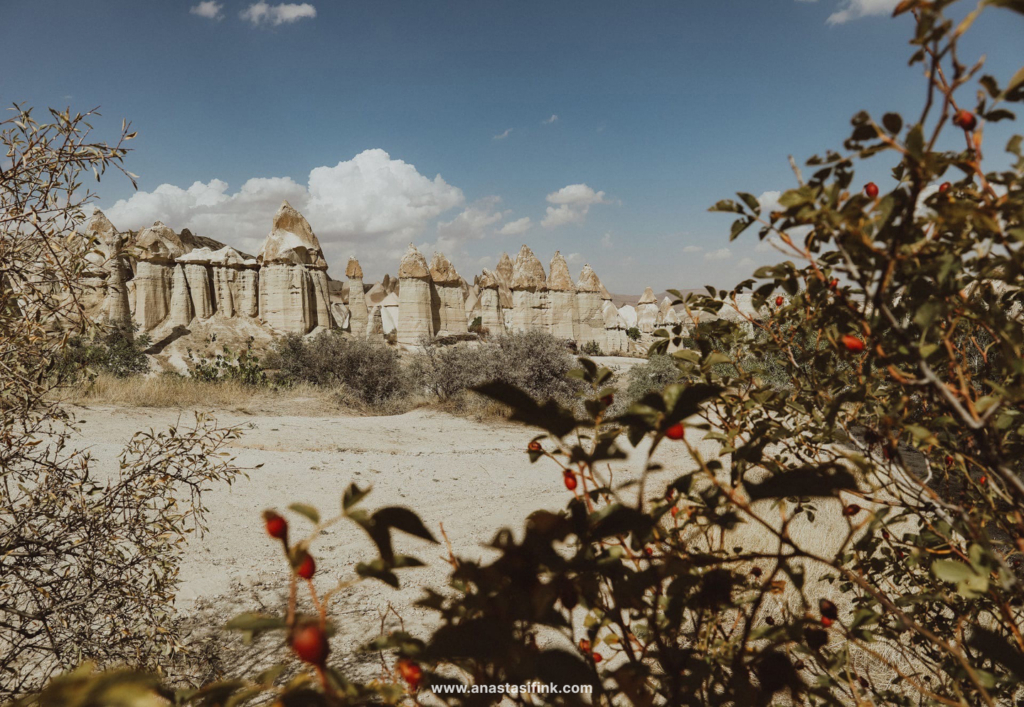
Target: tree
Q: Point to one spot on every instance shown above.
(87, 563)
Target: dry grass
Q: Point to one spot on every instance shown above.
(169, 391)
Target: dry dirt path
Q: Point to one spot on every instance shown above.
(472, 476)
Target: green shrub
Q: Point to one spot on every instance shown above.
(534, 361)
(633, 333)
(240, 367)
(654, 374)
(371, 371)
(114, 351)
(476, 326)
(591, 348)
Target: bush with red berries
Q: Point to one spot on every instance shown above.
(848, 524)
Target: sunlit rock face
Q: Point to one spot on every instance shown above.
(156, 249)
(491, 317)
(589, 304)
(647, 311)
(358, 312)
(293, 291)
(415, 321)
(448, 304)
(530, 303)
(563, 313)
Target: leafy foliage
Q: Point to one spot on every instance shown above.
(229, 366)
(847, 528)
(369, 370)
(88, 559)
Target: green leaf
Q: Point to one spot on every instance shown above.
(952, 570)
(915, 142)
(892, 122)
(751, 201)
(402, 519)
(353, 495)
(307, 511)
(550, 416)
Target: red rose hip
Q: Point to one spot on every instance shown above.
(965, 119)
(852, 343)
(944, 187)
(570, 481)
(871, 189)
(277, 527)
(310, 643)
(779, 300)
(306, 567)
(410, 672)
(676, 431)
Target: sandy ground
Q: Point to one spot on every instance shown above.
(473, 477)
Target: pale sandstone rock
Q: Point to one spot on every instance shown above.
(448, 304)
(589, 307)
(342, 315)
(530, 302)
(415, 321)
(199, 279)
(293, 301)
(503, 272)
(181, 299)
(287, 298)
(359, 313)
(616, 340)
(563, 313)
(156, 248)
(491, 315)
(628, 314)
(375, 295)
(105, 282)
(647, 311)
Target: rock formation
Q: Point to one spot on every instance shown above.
(563, 314)
(529, 293)
(503, 273)
(375, 327)
(359, 314)
(156, 249)
(199, 281)
(616, 340)
(389, 309)
(293, 279)
(106, 281)
(375, 295)
(448, 305)
(342, 316)
(492, 322)
(647, 311)
(414, 316)
(589, 305)
(628, 314)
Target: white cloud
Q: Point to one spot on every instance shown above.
(746, 264)
(606, 240)
(209, 9)
(720, 254)
(503, 135)
(473, 222)
(371, 204)
(574, 258)
(692, 249)
(768, 245)
(549, 121)
(855, 9)
(285, 13)
(571, 204)
(517, 227)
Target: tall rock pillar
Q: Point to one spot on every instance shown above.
(358, 313)
(414, 296)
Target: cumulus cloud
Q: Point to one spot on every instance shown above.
(373, 203)
(260, 13)
(574, 258)
(502, 136)
(473, 222)
(517, 227)
(549, 121)
(720, 254)
(692, 249)
(209, 9)
(855, 9)
(571, 204)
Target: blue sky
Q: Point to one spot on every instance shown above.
(390, 121)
